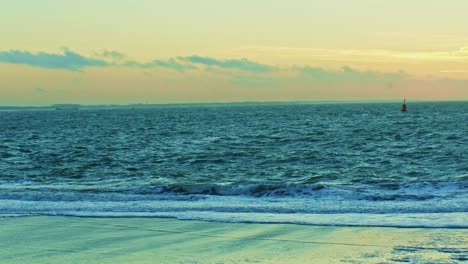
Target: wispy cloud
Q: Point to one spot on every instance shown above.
(240, 64)
(171, 63)
(456, 55)
(110, 54)
(240, 71)
(254, 81)
(348, 74)
(69, 60)
(189, 63)
(40, 90)
(454, 71)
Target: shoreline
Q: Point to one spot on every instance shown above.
(59, 239)
(227, 103)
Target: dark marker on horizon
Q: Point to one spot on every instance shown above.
(403, 106)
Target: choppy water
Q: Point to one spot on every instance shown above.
(331, 164)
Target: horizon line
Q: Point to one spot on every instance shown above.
(228, 102)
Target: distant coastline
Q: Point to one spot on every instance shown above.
(152, 105)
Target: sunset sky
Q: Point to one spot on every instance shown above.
(181, 51)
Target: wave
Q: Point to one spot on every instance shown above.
(326, 207)
(426, 220)
(393, 205)
(111, 192)
(386, 191)
(74, 191)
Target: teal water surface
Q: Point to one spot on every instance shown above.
(338, 164)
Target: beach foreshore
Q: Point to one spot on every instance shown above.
(56, 239)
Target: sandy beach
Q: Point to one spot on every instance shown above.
(157, 240)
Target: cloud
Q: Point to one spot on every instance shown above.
(40, 90)
(348, 74)
(188, 63)
(372, 55)
(242, 72)
(69, 60)
(171, 63)
(255, 81)
(111, 54)
(240, 64)
(454, 71)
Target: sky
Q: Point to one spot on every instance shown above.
(194, 51)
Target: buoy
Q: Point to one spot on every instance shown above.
(403, 106)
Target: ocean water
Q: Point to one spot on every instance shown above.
(319, 164)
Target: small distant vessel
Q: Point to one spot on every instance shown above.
(403, 106)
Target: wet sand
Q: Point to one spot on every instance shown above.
(45, 239)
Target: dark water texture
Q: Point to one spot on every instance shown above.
(362, 152)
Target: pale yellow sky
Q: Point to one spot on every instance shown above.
(132, 51)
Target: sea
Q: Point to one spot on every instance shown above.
(337, 164)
